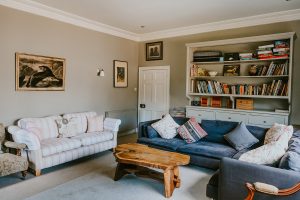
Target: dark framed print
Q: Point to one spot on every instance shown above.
(39, 73)
(120, 74)
(154, 51)
(231, 70)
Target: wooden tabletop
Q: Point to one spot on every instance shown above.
(143, 155)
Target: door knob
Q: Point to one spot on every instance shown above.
(142, 106)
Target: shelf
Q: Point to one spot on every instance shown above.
(212, 77)
(241, 61)
(237, 95)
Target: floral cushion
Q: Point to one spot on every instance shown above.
(10, 163)
(166, 127)
(191, 131)
(68, 127)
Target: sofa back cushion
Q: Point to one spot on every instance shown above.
(82, 128)
(43, 128)
(216, 130)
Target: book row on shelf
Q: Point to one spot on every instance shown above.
(274, 88)
(274, 69)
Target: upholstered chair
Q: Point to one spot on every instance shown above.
(11, 163)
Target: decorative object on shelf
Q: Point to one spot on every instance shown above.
(216, 102)
(37, 73)
(253, 69)
(100, 72)
(154, 51)
(212, 73)
(120, 74)
(205, 101)
(231, 70)
(231, 56)
(198, 71)
(244, 104)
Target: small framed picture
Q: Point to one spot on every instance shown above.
(231, 70)
(120, 74)
(154, 51)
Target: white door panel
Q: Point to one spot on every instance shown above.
(153, 92)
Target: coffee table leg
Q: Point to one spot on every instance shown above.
(120, 171)
(176, 177)
(169, 182)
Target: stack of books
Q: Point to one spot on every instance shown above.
(246, 56)
(265, 51)
(280, 49)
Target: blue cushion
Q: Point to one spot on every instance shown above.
(216, 130)
(151, 132)
(240, 138)
(290, 161)
(258, 132)
(208, 149)
(171, 144)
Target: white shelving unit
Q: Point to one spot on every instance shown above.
(264, 105)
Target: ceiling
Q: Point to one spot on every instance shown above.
(163, 16)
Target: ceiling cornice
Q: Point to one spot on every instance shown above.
(59, 15)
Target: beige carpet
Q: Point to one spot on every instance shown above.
(92, 179)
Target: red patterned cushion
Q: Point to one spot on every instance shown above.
(191, 131)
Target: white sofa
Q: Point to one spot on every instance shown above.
(47, 149)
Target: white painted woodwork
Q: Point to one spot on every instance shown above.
(154, 89)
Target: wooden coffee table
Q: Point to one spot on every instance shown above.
(138, 159)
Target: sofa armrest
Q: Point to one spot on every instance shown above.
(14, 145)
(111, 124)
(234, 175)
(23, 136)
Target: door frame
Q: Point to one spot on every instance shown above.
(163, 67)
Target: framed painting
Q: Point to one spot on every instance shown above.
(231, 70)
(154, 51)
(39, 73)
(120, 74)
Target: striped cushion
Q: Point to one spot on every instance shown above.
(57, 145)
(83, 118)
(191, 131)
(94, 138)
(43, 128)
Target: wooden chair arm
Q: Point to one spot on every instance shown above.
(284, 192)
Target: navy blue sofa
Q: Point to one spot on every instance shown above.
(208, 151)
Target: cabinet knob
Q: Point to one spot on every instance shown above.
(265, 122)
(229, 117)
(199, 115)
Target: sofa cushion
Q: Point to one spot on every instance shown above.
(151, 132)
(83, 117)
(43, 128)
(191, 131)
(68, 127)
(240, 138)
(258, 132)
(95, 123)
(166, 127)
(277, 131)
(291, 159)
(94, 138)
(171, 144)
(208, 149)
(56, 145)
(216, 129)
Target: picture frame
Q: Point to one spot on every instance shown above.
(120, 74)
(231, 70)
(39, 73)
(154, 51)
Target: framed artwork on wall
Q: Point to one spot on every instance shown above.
(39, 73)
(120, 74)
(154, 51)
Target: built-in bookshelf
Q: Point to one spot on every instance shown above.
(263, 73)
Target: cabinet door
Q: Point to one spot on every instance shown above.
(200, 114)
(229, 116)
(266, 120)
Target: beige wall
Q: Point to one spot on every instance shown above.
(84, 51)
(175, 55)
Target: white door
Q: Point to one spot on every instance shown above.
(154, 89)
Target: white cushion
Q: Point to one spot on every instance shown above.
(83, 117)
(56, 145)
(69, 128)
(94, 138)
(95, 123)
(277, 131)
(43, 128)
(166, 127)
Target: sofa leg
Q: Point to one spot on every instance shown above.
(37, 172)
(24, 173)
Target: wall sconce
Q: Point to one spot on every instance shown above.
(100, 72)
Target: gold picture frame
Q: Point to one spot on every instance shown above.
(120, 74)
(39, 73)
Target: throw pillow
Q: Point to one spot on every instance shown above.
(290, 161)
(68, 127)
(276, 131)
(95, 123)
(166, 127)
(191, 131)
(240, 138)
(151, 132)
